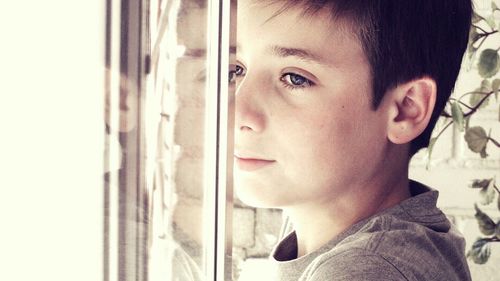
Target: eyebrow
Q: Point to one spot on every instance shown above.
(195, 53)
(301, 54)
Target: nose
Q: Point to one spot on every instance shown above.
(249, 108)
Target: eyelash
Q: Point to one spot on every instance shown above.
(289, 84)
(233, 73)
(283, 79)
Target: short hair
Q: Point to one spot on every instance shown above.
(404, 40)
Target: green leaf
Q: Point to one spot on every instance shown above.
(471, 48)
(495, 87)
(476, 98)
(471, 57)
(430, 147)
(476, 17)
(486, 224)
(480, 252)
(476, 139)
(498, 202)
(490, 20)
(480, 93)
(483, 153)
(477, 183)
(487, 191)
(458, 116)
(489, 63)
(487, 194)
(485, 86)
(473, 36)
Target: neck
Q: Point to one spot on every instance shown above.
(317, 223)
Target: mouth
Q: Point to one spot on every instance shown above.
(251, 164)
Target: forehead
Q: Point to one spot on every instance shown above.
(265, 22)
(191, 28)
(337, 18)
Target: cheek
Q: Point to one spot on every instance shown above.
(330, 126)
(330, 139)
(314, 141)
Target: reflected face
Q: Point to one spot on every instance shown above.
(304, 130)
(190, 77)
(190, 98)
(127, 107)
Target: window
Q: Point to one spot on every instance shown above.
(169, 155)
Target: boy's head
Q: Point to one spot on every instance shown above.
(323, 85)
(404, 40)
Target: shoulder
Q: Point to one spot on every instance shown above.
(388, 248)
(353, 264)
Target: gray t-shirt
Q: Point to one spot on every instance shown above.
(410, 241)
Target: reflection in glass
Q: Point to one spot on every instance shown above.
(179, 69)
(125, 201)
(168, 154)
(183, 204)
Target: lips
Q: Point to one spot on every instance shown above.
(247, 163)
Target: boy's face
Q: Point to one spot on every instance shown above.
(190, 99)
(303, 104)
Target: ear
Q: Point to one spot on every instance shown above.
(411, 106)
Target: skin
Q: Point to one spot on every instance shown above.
(127, 106)
(324, 155)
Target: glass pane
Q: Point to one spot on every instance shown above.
(125, 190)
(179, 65)
(167, 123)
(189, 178)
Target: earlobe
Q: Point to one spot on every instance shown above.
(413, 102)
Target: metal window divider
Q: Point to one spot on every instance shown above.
(218, 161)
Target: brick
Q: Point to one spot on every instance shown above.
(243, 227)
(239, 258)
(268, 224)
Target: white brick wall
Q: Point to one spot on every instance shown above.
(255, 232)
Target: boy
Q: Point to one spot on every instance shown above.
(332, 100)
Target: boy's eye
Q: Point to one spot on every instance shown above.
(295, 80)
(235, 72)
(239, 70)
